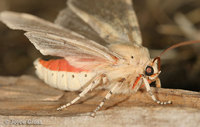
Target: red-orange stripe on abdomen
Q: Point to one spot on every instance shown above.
(59, 65)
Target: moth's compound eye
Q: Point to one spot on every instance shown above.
(149, 71)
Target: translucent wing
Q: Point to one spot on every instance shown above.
(114, 20)
(68, 19)
(51, 39)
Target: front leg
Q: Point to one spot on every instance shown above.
(158, 83)
(148, 88)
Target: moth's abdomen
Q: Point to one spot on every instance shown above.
(60, 74)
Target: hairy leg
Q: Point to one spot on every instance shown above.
(151, 94)
(158, 83)
(94, 83)
(108, 95)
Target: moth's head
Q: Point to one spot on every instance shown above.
(152, 70)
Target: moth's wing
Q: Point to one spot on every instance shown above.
(68, 19)
(51, 39)
(114, 20)
(27, 22)
(76, 50)
(50, 44)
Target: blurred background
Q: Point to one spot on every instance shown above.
(163, 23)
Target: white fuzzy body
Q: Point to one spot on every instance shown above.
(70, 81)
(128, 68)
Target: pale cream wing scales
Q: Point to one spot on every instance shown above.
(54, 36)
(49, 44)
(27, 22)
(68, 19)
(114, 20)
(76, 54)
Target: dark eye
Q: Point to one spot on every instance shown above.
(149, 71)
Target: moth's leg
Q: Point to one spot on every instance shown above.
(158, 83)
(108, 95)
(94, 83)
(154, 77)
(151, 94)
(137, 83)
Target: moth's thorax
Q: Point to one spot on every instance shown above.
(132, 54)
(133, 61)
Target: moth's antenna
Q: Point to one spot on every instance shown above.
(172, 47)
(179, 45)
(158, 62)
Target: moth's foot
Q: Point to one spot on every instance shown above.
(164, 102)
(93, 114)
(61, 107)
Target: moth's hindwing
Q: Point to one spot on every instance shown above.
(114, 20)
(69, 20)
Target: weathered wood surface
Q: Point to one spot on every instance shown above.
(27, 98)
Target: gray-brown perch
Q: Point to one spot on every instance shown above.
(27, 99)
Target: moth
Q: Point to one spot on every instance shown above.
(100, 46)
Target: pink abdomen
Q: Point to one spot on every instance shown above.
(60, 74)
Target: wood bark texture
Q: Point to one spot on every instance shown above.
(27, 101)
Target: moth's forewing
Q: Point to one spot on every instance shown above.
(68, 19)
(50, 44)
(27, 22)
(114, 20)
(52, 39)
